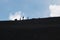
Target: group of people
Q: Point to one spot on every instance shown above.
(22, 18)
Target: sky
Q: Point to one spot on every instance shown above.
(11, 9)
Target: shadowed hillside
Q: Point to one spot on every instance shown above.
(31, 29)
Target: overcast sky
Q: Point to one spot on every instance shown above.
(28, 8)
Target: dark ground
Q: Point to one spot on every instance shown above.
(41, 29)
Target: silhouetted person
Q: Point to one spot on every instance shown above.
(23, 17)
(20, 18)
(15, 19)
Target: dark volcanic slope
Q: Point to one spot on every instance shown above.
(31, 29)
(32, 23)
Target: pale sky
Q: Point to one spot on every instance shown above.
(28, 8)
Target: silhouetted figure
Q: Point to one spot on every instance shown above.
(20, 18)
(15, 19)
(23, 17)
